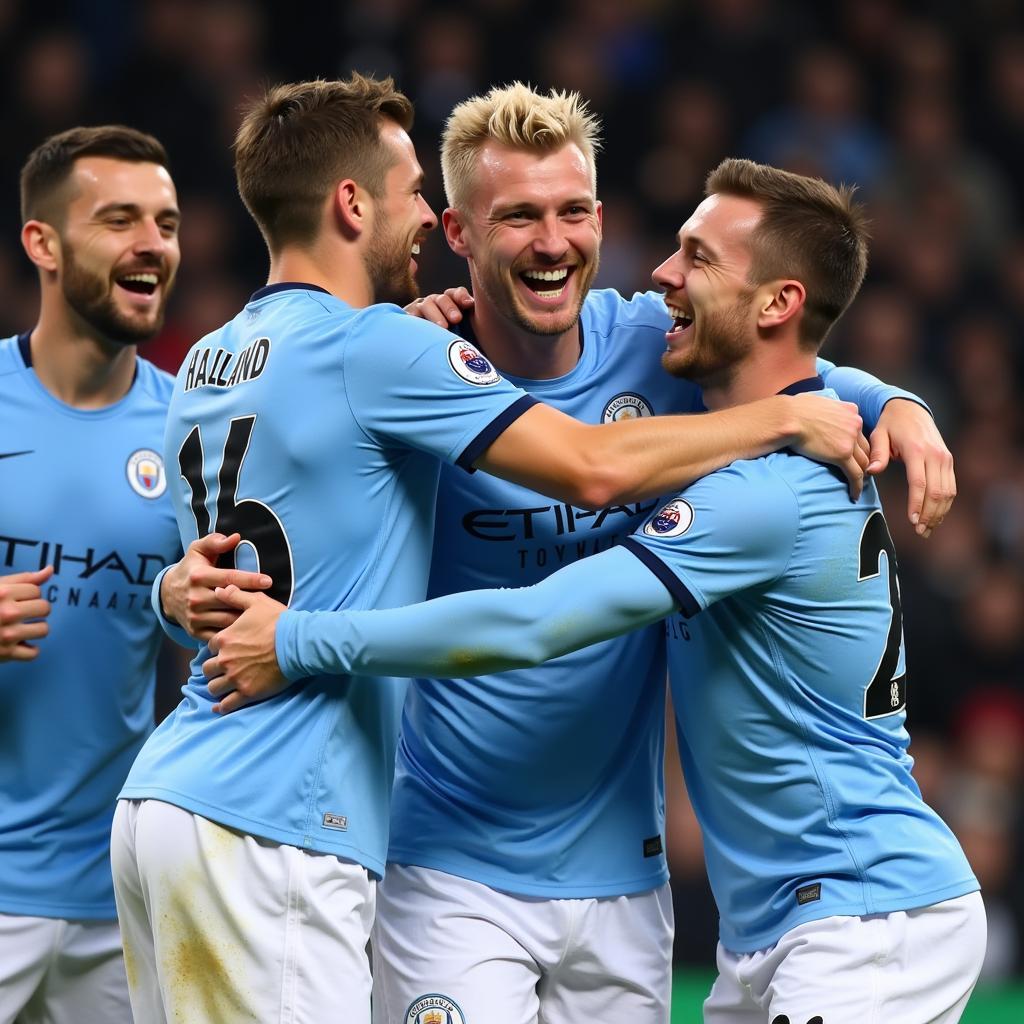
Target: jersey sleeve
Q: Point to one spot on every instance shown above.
(411, 383)
(478, 631)
(730, 531)
(867, 392)
(172, 629)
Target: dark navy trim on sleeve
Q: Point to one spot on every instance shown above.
(25, 348)
(284, 286)
(687, 602)
(808, 384)
(497, 426)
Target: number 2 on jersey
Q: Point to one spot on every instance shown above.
(886, 693)
(256, 522)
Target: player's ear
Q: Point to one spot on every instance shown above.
(779, 302)
(599, 213)
(41, 244)
(351, 208)
(454, 232)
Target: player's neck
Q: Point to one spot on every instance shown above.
(516, 351)
(340, 271)
(75, 363)
(755, 378)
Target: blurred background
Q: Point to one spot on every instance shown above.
(920, 104)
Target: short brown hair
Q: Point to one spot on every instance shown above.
(50, 164)
(297, 141)
(809, 230)
(519, 117)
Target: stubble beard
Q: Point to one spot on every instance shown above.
(387, 264)
(89, 295)
(722, 344)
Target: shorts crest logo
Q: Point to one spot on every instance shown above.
(672, 520)
(627, 406)
(145, 471)
(434, 1008)
(470, 365)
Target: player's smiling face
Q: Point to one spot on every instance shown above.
(707, 290)
(119, 246)
(402, 220)
(532, 234)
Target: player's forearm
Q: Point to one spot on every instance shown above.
(164, 614)
(866, 391)
(480, 631)
(649, 457)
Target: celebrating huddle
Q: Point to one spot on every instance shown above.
(594, 492)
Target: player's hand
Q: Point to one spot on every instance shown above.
(906, 431)
(187, 588)
(244, 668)
(831, 431)
(444, 309)
(21, 606)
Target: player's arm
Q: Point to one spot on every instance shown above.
(900, 425)
(467, 634)
(597, 466)
(22, 609)
(183, 594)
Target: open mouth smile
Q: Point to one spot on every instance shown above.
(680, 322)
(547, 284)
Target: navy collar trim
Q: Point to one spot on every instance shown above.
(25, 348)
(284, 286)
(808, 384)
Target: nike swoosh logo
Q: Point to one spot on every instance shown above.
(11, 455)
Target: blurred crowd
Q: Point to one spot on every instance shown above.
(920, 104)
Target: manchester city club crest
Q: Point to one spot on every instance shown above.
(434, 1009)
(627, 406)
(145, 472)
(672, 520)
(470, 365)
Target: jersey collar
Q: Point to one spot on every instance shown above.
(284, 286)
(807, 384)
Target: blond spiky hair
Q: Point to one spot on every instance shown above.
(519, 117)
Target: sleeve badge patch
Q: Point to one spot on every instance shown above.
(470, 365)
(671, 520)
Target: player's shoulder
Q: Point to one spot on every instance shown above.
(10, 357)
(155, 383)
(749, 476)
(605, 310)
(385, 335)
(386, 317)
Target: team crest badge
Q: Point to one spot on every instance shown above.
(145, 472)
(672, 520)
(627, 406)
(470, 365)
(434, 1009)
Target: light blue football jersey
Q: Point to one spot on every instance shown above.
(314, 430)
(546, 781)
(790, 691)
(85, 491)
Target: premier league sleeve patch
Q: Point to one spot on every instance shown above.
(145, 471)
(434, 1009)
(672, 520)
(470, 365)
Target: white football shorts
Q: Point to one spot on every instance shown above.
(447, 950)
(219, 925)
(910, 967)
(55, 971)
